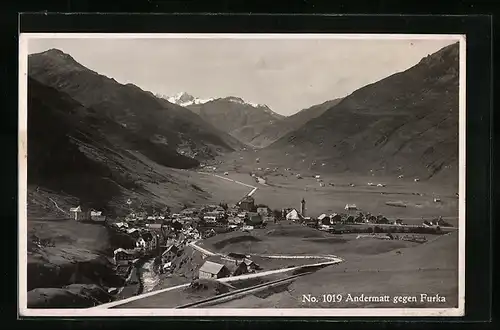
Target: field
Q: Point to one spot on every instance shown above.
(370, 267)
(430, 268)
(288, 238)
(285, 190)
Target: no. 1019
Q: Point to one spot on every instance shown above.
(325, 298)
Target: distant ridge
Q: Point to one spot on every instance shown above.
(139, 111)
(405, 124)
(237, 117)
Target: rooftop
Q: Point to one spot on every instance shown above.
(211, 267)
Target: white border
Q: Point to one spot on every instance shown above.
(208, 312)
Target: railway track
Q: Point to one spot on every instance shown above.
(241, 292)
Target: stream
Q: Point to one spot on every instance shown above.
(149, 275)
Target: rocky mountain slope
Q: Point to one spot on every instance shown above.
(81, 152)
(404, 124)
(184, 99)
(238, 118)
(149, 119)
(278, 129)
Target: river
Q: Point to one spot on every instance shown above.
(149, 275)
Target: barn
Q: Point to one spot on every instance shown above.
(213, 270)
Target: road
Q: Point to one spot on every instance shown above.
(392, 225)
(332, 260)
(209, 253)
(254, 189)
(241, 292)
(228, 179)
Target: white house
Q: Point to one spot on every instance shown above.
(350, 207)
(97, 216)
(293, 215)
(140, 243)
(120, 225)
(77, 213)
(210, 218)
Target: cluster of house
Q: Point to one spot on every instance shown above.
(147, 242)
(243, 214)
(167, 233)
(87, 215)
(352, 215)
(389, 236)
(233, 264)
(325, 221)
(436, 222)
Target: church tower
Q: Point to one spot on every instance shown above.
(303, 207)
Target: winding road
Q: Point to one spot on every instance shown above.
(254, 189)
(332, 260)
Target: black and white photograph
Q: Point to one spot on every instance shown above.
(241, 174)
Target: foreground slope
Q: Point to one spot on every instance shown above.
(140, 112)
(430, 268)
(242, 120)
(404, 124)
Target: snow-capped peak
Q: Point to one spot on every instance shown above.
(241, 101)
(184, 99)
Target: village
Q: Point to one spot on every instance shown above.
(162, 235)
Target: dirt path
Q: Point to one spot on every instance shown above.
(235, 181)
(57, 206)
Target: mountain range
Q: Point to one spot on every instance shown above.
(406, 123)
(273, 132)
(183, 99)
(149, 118)
(105, 136)
(95, 139)
(236, 117)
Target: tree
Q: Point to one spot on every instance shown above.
(176, 225)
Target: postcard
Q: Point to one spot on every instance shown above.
(241, 175)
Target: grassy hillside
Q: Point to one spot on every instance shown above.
(278, 129)
(76, 150)
(404, 124)
(145, 116)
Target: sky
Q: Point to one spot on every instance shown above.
(288, 75)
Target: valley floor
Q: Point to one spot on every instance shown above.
(371, 266)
